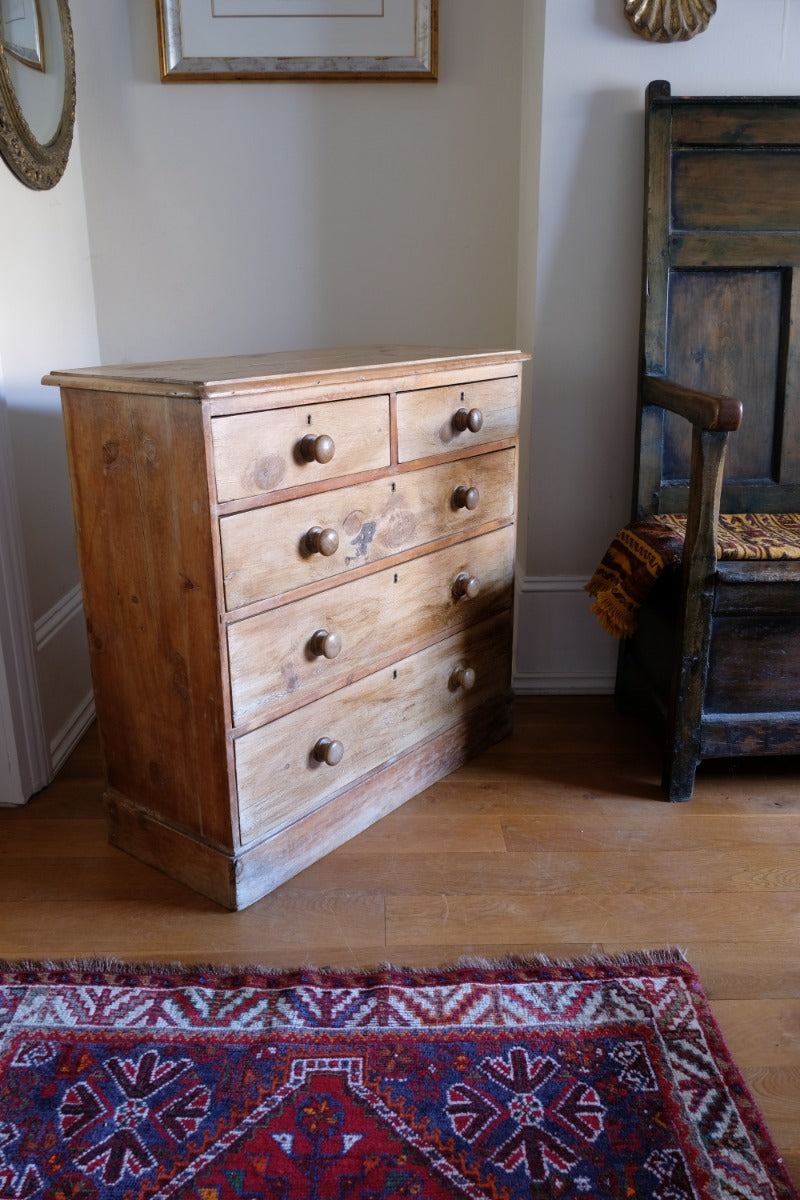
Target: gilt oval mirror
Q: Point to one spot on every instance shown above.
(37, 89)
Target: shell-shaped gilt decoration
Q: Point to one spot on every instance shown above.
(669, 20)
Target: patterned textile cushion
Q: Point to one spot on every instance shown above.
(641, 551)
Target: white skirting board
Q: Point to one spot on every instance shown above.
(63, 668)
(560, 646)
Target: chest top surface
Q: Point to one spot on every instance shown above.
(217, 377)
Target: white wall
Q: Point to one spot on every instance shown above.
(584, 327)
(46, 320)
(229, 217)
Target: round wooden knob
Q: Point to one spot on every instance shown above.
(466, 497)
(322, 541)
(328, 751)
(463, 677)
(471, 419)
(326, 645)
(317, 447)
(466, 585)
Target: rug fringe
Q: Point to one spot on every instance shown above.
(115, 966)
(633, 958)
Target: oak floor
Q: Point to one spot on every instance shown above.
(555, 841)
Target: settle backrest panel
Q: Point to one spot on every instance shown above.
(721, 294)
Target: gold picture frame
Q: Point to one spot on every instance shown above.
(271, 40)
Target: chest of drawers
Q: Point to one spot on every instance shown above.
(297, 573)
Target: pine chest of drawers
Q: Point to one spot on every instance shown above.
(297, 573)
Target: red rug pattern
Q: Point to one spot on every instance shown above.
(605, 1079)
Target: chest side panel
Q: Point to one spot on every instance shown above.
(141, 503)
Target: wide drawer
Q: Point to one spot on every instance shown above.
(279, 777)
(266, 551)
(331, 637)
(262, 452)
(445, 419)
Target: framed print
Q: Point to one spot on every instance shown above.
(218, 40)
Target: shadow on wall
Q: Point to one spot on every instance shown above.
(586, 352)
(45, 506)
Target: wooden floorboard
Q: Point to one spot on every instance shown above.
(555, 841)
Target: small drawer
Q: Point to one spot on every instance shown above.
(281, 770)
(326, 639)
(261, 452)
(275, 549)
(444, 419)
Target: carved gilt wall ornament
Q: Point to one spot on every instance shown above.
(669, 20)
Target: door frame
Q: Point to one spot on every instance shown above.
(23, 745)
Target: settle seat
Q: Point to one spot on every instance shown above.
(715, 652)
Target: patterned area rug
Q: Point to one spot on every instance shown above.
(592, 1079)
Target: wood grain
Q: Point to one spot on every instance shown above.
(140, 495)
(264, 550)
(273, 668)
(425, 418)
(242, 374)
(375, 720)
(208, 493)
(251, 457)
(552, 841)
(720, 352)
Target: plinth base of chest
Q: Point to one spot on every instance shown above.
(237, 879)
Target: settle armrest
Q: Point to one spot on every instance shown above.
(717, 413)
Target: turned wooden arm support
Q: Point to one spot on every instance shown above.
(721, 414)
(712, 418)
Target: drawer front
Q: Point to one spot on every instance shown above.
(279, 778)
(263, 452)
(332, 636)
(429, 421)
(266, 551)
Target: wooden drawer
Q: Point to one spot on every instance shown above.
(382, 716)
(273, 658)
(262, 452)
(265, 550)
(428, 423)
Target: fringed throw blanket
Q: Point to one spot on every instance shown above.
(642, 550)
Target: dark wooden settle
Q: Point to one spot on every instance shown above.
(716, 656)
